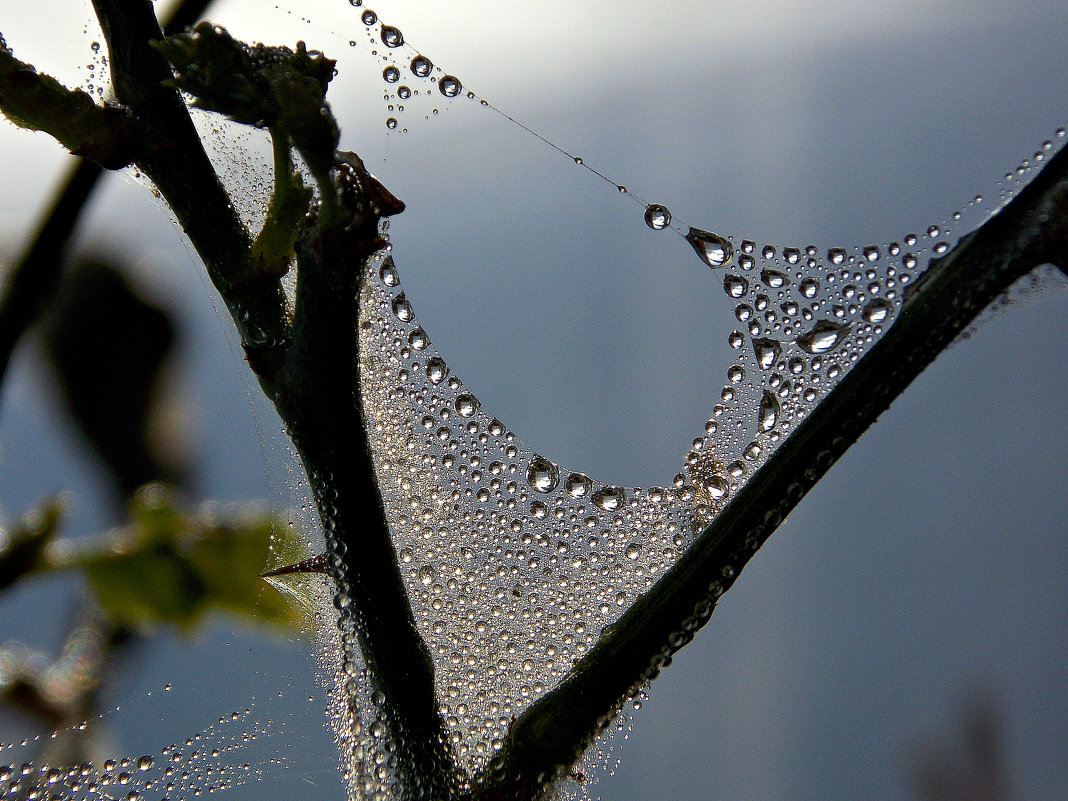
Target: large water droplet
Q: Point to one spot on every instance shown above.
(657, 217)
(767, 351)
(768, 415)
(391, 74)
(542, 475)
(773, 278)
(436, 370)
(877, 311)
(714, 250)
(466, 405)
(369, 17)
(392, 37)
(421, 66)
(449, 86)
(577, 485)
(609, 499)
(735, 286)
(824, 337)
(402, 309)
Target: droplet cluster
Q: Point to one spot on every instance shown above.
(409, 75)
(202, 764)
(514, 564)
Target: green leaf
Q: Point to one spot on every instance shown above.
(173, 567)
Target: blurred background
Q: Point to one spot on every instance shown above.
(901, 636)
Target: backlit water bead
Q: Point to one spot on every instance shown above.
(403, 92)
(824, 337)
(768, 414)
(449, 85)
(391, 74)
(436, 370)
(714, 250)
(421, 66)
(577, 485)
(542, 475)
(877, 311)
(392, 37)
(766, 351)
(391, 122)
(657, 217)
(369, 17)
(735, 286)
(810, 287)
(466, 405)
(609, 499)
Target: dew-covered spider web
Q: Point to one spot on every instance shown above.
(517, 549)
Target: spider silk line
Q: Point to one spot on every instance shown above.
(677, 225)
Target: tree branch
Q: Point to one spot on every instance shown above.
(307, 368)
(553, 732)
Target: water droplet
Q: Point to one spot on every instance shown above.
(767, 351)
(144, 763)
(542, 475)
(392, 37)
(773, 278)
(609, 499)
(436, 370)
(449, 86)
(466, 405)
(577, 485)
(735, 286)
(633, 551)
(426, 575)
(871, 253)
(836, 255)
(714, 250)
(391, 74)
(421, 66)
(716, 487)
(402, 309)
(657, 217)
(735, 374)
(418, 339)
(369, 17)
(877, 311)
(391, 123)
(403, 92)
(824, 337)
(810, 287)
(933, 231)
(356, 3)
(792, 255)
(768, 415)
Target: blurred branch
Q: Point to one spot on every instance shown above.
(32, 281)
(1030, 231)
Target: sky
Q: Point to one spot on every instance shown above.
(924, 567)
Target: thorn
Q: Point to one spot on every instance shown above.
(314, 564)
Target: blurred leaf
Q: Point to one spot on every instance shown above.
(173, 567)
(22, 547)
(109, 348)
